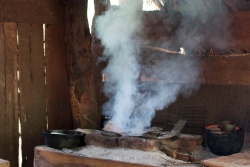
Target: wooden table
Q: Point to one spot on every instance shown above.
(236, 160)
(49, 157)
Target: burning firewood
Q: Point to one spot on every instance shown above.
(110, 126)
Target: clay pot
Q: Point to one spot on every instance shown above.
(227, 126)
(224, 143)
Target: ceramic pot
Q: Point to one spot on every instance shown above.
(225, 143)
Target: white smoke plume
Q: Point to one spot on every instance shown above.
(132, 104)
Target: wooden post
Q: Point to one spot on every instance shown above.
(82, 84)
(97, 51)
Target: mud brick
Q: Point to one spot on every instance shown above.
(4, 163)
(190, 140)
(189, 150)
(173, 142)
(183, 146)
(98, 139)
(139, 143)
(183, 140)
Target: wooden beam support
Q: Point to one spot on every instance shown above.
(82, 84)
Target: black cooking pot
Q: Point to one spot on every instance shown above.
(225, 143)
(63, 138)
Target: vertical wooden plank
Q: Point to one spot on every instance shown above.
(1, 11)
(8, 93)
(57, 84)
(32, 89)
(240, 30)
(97, 50)
(4, 151)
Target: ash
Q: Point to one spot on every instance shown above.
(156, 158)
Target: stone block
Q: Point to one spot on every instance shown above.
(138, 143)
(98, 139)
(183, 140)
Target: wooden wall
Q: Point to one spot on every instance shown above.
(211, 104)
(8, 92)
(225, 86)
(224, 92)
(228, 67)
(43, 100)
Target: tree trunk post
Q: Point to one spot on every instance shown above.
(85, 110)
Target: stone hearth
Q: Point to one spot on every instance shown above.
(187, 147)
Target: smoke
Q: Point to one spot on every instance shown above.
(117, 29)
(203, 21)
(132, 104)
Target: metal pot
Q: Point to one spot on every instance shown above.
(63, 138)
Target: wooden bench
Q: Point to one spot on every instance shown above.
(4, 163)
(237, 160)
